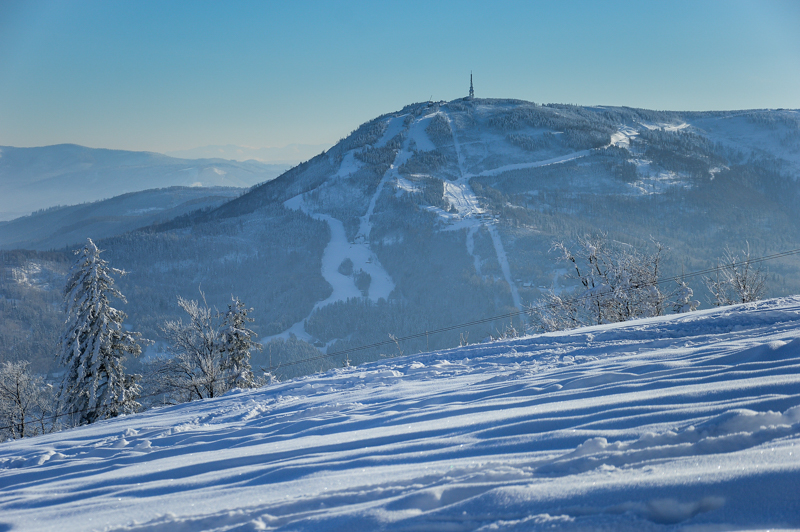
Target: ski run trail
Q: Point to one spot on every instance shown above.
(684, 422)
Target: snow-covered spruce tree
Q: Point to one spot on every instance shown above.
(94, 344)
(616, 283)
(736, 280)
(238, 342)
(206, 356)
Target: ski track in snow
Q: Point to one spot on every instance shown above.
(689, 421)
(419, 136)
(622, 138)
(349, 165)
(339, 249)
(471, 248)
(505, 268)
(667, 127)
(461, 196)
(359, 251)
(394, 127)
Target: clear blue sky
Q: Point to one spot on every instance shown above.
(160, 75)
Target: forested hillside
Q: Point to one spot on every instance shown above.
(68, 227)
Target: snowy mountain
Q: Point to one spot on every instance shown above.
(68, 227)
(687, 422)
(443, 213)
(66, 174)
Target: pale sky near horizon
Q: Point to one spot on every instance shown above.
(161, 76)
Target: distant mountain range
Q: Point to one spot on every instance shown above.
(67, 174)
(291, 154)
(444, 213)
(60, 227)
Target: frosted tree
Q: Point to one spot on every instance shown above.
(616, 283)
(736, 280)
(193, 368)
(26, 404)
(95, 344)
(684, 301)
(208, 354)
(554, 313)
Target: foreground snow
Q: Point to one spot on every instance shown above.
(690, 421)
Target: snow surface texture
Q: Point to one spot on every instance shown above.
(688, 422)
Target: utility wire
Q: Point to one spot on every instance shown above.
(397, 340)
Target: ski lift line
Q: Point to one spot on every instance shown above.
(396, 340)
(516, 313)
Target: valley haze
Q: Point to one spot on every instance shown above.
(66, 174)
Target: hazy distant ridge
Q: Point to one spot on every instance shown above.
(60, 227)
(290, 154)
(68, 174)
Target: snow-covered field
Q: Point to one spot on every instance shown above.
(689, 422)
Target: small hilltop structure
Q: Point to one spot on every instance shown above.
(471, 89)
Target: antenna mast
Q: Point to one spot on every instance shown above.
(471, 90)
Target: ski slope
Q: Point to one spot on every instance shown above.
(684, 422)
(342, 286)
